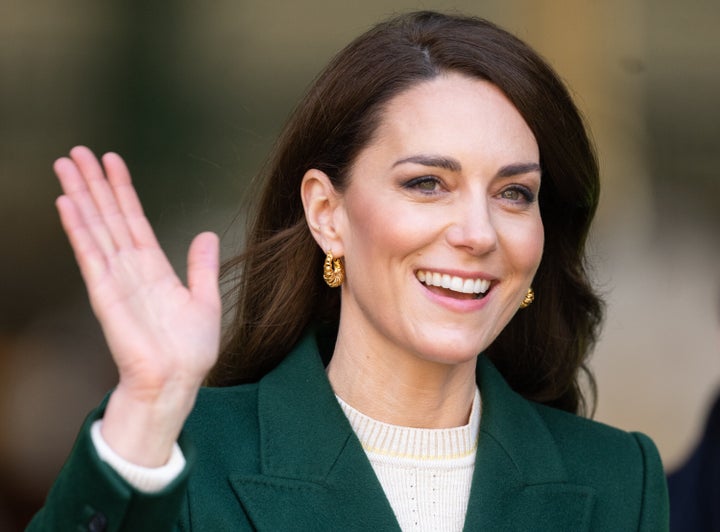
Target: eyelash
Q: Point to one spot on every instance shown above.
(528, 196)
(417, 183)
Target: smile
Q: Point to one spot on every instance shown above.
(453, 283)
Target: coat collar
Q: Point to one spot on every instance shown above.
(315, 475)
(314, 472)
(520, 481)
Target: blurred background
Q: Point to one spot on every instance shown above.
(192, 94)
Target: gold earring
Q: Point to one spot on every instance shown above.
(333, 271)
(529, 298)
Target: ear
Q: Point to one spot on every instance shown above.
(323, 208)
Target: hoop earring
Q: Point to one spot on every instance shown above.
(529, 298)
(333, 271)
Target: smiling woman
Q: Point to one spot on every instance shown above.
(431, 192)
(378, 371)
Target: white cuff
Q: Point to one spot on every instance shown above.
(145, 479)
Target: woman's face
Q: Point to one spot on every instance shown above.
(440, 225)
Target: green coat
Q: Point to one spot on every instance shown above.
(280, 455)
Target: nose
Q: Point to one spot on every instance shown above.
(473, 228)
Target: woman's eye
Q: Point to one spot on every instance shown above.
(517, 194)
(426, 184)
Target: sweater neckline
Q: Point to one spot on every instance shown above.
(397, 441)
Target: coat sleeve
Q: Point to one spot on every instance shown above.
(655, 511)
(89, 495)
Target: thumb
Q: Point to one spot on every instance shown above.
(204, 267)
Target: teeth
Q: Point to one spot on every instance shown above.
(454, 283)
(468, 287)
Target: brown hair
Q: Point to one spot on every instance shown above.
(278, 287)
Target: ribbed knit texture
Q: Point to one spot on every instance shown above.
(426, 473)
(145, 479)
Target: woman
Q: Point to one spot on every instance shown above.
(411, 175)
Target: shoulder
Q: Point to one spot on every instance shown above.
(585, 441)
(223, 429)
(619, 464)
(224, 407)
(571, 430)
(240, 400)
(231, 417)
(550, 446)
(585, 446)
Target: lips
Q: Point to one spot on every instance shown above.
(461, 285)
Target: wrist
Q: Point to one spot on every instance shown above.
(143, 430)
(145, 479)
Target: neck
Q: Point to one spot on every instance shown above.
(400, 388)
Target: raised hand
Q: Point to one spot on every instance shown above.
(164, 337)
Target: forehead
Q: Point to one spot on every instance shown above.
(455, 114)
(452, 115)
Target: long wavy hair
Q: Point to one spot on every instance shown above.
(277, 288)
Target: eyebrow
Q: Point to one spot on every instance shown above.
(519, 169)
(448, 163)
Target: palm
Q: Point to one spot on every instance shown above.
(158, 330)
(154, 327)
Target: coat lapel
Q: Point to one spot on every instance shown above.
(314, 472)
(315, 475)
(520, 482)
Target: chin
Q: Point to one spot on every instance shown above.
(450, 353)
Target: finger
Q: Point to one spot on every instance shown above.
(119, 178)
(76, 190)
(203, 268)
(102, 195)
(88, 255)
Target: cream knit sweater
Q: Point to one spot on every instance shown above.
(426, 473)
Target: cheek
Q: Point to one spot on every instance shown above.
(536, 244)
(379, 229)
(524, 245)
